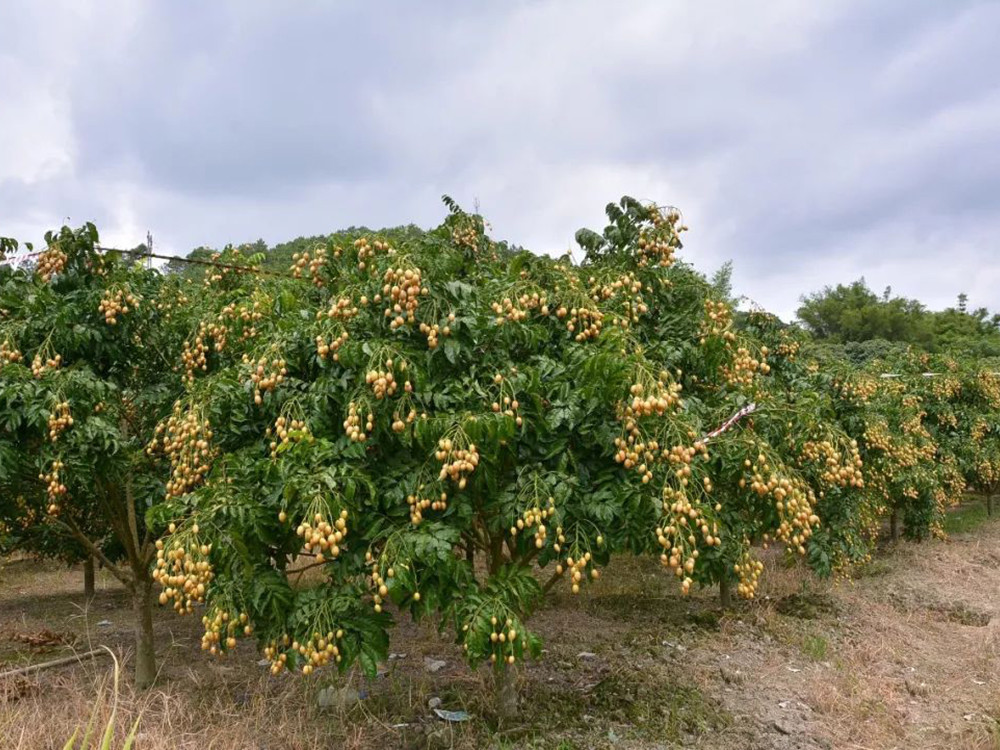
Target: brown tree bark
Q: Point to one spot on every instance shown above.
(142, 608)
(505, 693)
(88, 577)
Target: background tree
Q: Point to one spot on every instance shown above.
(851, 314)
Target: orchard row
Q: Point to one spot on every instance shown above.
(451, 425)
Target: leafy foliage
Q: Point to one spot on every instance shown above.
(853, 313)
(440, 425)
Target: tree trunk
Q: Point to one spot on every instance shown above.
(725, 593)
(989, 505)
(145, 654)
(894, 525)
(505, 693)
(88, 577)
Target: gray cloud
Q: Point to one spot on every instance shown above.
(809, 142)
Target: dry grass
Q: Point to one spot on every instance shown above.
(905, 657)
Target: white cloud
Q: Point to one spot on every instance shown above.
(812, 143)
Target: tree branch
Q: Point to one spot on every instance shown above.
(550, 583)
(304, 568)
(496, 552)
(527, 559)
(142, 556)
(141, 546)
(95, 551)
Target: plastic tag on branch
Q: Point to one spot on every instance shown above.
(746, 410)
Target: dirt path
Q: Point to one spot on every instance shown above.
(904, 656)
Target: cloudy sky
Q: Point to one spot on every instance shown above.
(810, 142)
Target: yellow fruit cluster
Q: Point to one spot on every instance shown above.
(744, 367)
(399, 421)
(194, 355)
(946, 388)
(353, 424)
(274, 653)
(653, 399)
(324, 346)
(434, 330)
(243, 313)
(184, 574)
(9, 354)
(788, 349)
(216, 274)
(979, 429)
(509, 310)
(718, 317)
(116, 302)
(59, 419)
(947, 419)
(419, 503)
(379, 584)
(39, 365)
(681, 456)
(877, 436)
(342, 308)
(634, 451)
(656, 247)
(749, 571)
(577, 569)
(628, 289)
(585, 323)
(988, 472)
(218, 332)
(167, 306)
(503, 638)
(54, 489)
(186, 440)
(402, 290)
(683, 525)
(509, 408)
(384, 383)
(321, 538)
(318, 651)
(221, 630)
(792, 499)
(859, 390)
(843, 473)
(466, 235)
(286, 431)
(266, 375)
(314, 263)
(366, 250)
(534, 518)
(560, 536)
(989, 386)
(51, 262)
(457, 463)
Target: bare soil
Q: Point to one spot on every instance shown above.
(904, 655)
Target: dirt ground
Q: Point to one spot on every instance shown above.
(904, 655)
